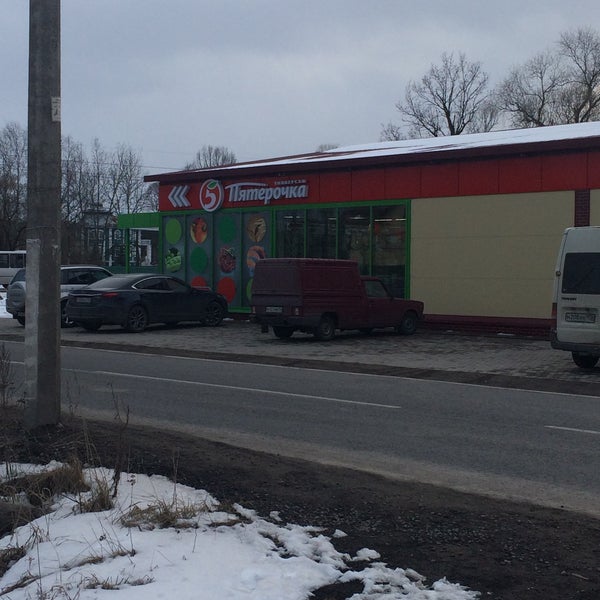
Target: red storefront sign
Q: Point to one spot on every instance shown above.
(212, 195)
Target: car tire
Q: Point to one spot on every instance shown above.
(64, 319)
(91, 325)
(137, 319)
(283, 332)
(325, 330)
(585, 361)
(214, 314)
(21, 321)
(409, 324)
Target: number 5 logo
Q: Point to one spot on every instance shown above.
(211, 195)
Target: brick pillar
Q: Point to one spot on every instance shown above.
(581, 218)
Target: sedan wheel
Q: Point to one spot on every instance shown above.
(137, 319)
(64, 319)
(214, 314)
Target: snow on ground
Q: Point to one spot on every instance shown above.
(211, 552)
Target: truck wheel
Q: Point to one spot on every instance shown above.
(283, 332)
(325, 329)
(408, 325)
(585, 361)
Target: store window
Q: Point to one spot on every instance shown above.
(389, 247)
(290, 233)
(354, 238)
(321, 232)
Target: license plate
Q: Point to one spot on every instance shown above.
(274, 310)
(580, 317)
(83, 300)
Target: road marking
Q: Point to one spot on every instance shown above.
(233, 387)
(405, 377)
(573, 429)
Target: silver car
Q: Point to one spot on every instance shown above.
(72, 277)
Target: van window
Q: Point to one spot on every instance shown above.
(581, 273)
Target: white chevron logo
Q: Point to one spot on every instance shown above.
(178, 196)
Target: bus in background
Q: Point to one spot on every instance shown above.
(576, 305)
(10, 262)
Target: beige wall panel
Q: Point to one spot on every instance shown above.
(487, 255)
(595, 207)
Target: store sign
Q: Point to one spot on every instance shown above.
(212, 195)
(263, 192)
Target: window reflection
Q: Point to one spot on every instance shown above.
(389, 247)
(321, 233)
(290, 233)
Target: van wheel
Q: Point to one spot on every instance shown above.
(283, 332)
(325, 329)
(585, 361)
(408, 325)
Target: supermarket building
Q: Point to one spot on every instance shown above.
(468, 224)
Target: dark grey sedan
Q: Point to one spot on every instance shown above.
(135, 301)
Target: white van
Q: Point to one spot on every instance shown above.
(576, 307)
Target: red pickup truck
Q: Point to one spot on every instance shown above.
(320, 296)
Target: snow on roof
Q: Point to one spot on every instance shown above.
(455, 142)
(495, 139)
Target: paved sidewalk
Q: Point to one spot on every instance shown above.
(486, 359)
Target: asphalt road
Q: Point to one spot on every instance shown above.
(518, 444)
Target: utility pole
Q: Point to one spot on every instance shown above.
(42, 318)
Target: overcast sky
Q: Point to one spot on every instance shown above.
(264, 78)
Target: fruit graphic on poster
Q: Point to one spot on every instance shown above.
(227, 260)
(256, 228)
(254, 254)
(173, 260)
(199, 230)
(226, 287)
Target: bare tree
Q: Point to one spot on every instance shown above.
(448, 100)
(581, 51)
(531, 93)
(125, 179)
(212, 156)
(391, 133)
(325, 147)
(556, 87)
(13, 186)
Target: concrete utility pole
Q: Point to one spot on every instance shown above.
(42, 318)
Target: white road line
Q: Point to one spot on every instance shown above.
(592, 431)
(233, 387)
